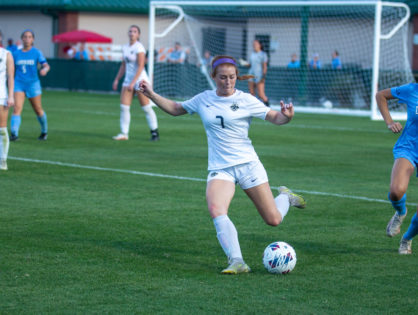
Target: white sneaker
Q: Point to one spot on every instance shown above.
(405, 247)
(120, 137)
(3, 165)
(295, 200)
(394, 226)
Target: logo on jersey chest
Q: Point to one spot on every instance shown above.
(234, 107)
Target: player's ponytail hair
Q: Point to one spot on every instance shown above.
(223, 59)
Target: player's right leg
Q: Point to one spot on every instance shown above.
(251, 87)
(219, 193)
(16, 119)
(406, 241)
(401, 173)
(4, 137)
(125, 114)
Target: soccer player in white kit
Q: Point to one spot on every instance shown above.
(133, 67)
(226, 114)
(7, 72)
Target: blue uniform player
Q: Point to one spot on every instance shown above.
(405, 153)
(27, 84)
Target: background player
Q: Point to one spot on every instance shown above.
(27, 83)
(226, 114)
(405, 153)
(7, 72)
(133, 67)
(258, 68)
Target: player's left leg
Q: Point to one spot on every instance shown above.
(261, 92)
(36, 103)
(16, 119)
(401, 173)
(4, 137)
(150, 116)
(406, 241)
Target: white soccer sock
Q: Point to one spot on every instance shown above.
(125, 118)
(282, 204)
(4, 143)
(228, 237)
(151, 117)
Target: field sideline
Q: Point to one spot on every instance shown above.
(91, 225)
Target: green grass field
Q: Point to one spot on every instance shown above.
(88, 225)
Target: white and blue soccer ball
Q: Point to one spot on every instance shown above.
(279, 257)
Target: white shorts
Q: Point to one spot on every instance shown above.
(247, 175)
(3, 101)
(128, 79)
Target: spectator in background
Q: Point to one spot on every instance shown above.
(81, 54)
(177, 55)
(205, 62)
(19, 44)
(1, 39)
(10, 46)
(336, 62)
(315, 63)
(294, 62)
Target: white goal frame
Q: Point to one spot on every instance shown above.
(373, 113)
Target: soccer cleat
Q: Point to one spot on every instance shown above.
(295, 200)
(43, 136)
(120, 137)
(394, 226)
(3, 165)
(236, 268)
(405, 247)
(13, 137)
(154, 135)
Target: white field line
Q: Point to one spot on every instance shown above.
(116, 170)
(300, 126)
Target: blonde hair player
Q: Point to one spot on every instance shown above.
(133, 67)
(226, 114)
(7, 72)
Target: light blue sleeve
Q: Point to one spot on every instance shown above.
(402, 92)
(265, 58)
(41, 58)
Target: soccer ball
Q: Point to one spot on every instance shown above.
(327, 104)
(279, 257)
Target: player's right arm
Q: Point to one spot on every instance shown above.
(120, 74)
(382, 98)
(10, 64)
(169, 106)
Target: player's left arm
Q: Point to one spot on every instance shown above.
(44, 64)
(140, 60)
(10, 79)
(283, 117)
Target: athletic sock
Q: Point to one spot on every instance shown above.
(412, 229)
(282, 204)
(150, 116)
(15, 122)
(228, 237)
(4, 143)
(125, 118)
(43, 122)
(400, 205)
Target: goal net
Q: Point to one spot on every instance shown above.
(342, 51)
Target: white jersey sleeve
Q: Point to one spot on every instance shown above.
(192, 105)
(256, 108)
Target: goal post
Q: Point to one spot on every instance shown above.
(368, 37)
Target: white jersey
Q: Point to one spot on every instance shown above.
(130, 56)
(3, 76)
(226, 121)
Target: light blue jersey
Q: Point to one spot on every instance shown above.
(407, 144)
(26, 63)
(257, 61)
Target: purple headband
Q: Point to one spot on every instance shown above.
(223, 60)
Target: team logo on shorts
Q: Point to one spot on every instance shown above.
(234, 106)
(416, 110)
(213, 174)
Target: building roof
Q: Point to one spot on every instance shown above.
(126, 6)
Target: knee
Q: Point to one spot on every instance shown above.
(215, 210)
(396, 192)
(273, 221)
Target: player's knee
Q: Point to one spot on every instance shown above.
(396, 193)
(273, 220)
(216, 210)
